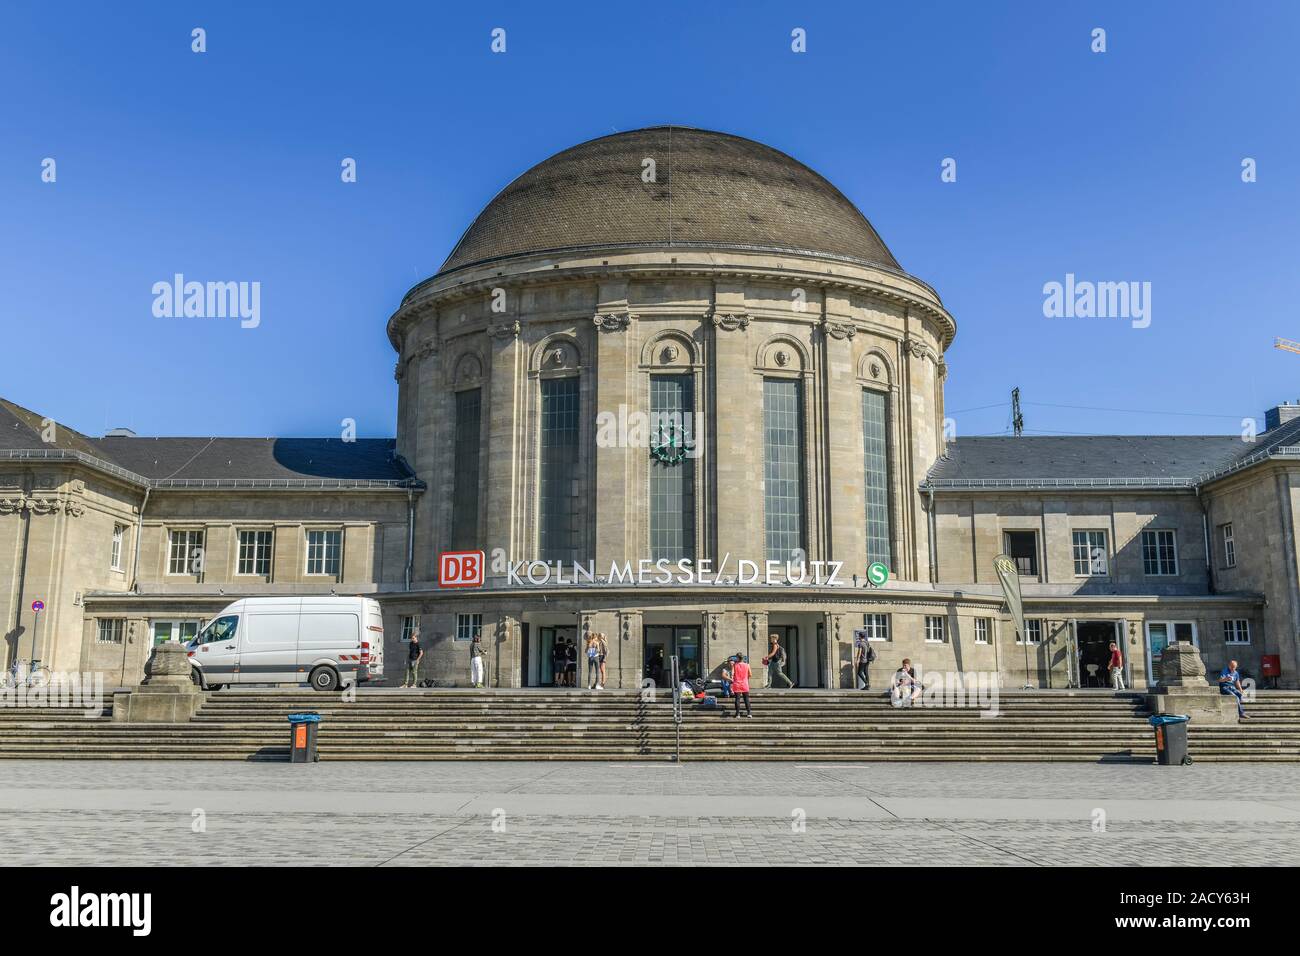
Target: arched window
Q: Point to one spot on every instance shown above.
(557, 518)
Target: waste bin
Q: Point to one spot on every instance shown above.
(1171, 739)
(302, 737)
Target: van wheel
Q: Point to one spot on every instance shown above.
(324, 678)
(197, 678)
(216, 686)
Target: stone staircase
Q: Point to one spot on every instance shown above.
(618, 725)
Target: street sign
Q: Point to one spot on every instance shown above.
(877, 573)
(38, 606)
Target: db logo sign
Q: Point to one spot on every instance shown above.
(460, 569)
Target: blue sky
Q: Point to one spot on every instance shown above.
(1122, 166)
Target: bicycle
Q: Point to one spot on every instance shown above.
(36, 674)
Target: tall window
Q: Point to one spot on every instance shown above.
(558, 491)
(875, 450)
(1090, 553)
(324, 549)
(185, 554)
(672, 467)
(1022, 547)
(115, 556)
(981, 630)
(255, 553)
(109, 630)
(1159, 553)
(935, 632)
(1033, 632)
(783, 501)
(877, 626)
(410, 624)
(1229, 547)
(468, 625)
(464, 497)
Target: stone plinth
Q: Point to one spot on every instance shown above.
(1184, 690)
(168, 695)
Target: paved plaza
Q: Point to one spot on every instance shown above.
(114, 813)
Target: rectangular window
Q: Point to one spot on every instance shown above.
(1159, 553)
(410, 624)
(672, 467)
(783, 498)
(255, 552)
(109, 630)
(982, 630)
(877, 626)
(1090, 557)
(1022, 547)
(468, 625)
(557, 518)
(464, 498)
(115, 555)
(323, 551)
(935, 632)
(1229, 547)
(185, 555)
(1033, 632)
(1236, 632)
(875, 465)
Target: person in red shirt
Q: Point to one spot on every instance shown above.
(1116, 666)
(740, 684)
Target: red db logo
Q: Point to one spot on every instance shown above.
(460, 569)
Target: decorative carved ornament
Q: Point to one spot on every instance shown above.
(41, 506)
(670, 353)
(730, 321)
(612, 321)
(398, 371)
(427, 348)
(838, 330)
(782, 358)
(507, 330)
(919, 349)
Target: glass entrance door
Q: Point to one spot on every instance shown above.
(549, 665)
(1160, 634)
(662, 641)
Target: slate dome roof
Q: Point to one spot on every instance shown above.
(711, 190)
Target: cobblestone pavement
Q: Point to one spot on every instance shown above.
(492, 814)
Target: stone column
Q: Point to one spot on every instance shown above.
(627, 647)
(735, 440)
(839, 651)
(617, 493)
(505, 483)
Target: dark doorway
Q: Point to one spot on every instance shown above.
(1094, 652)
(541, 673)
(662, 641)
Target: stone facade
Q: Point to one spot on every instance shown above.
(613, 316)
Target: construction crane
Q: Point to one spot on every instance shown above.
(1289, 345)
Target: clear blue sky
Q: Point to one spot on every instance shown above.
(225, 166)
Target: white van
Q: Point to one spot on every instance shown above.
(327, 642)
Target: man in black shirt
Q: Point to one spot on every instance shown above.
(413, 654)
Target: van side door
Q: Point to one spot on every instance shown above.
(328, 636)
(269, 645)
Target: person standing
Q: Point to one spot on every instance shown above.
(593, 661)
(1230, 683)
(740, 685)
(414, 653)
(1116, 666)
(570, 663)
(557, 663)
(476, 661)
(775, 661)
(865, 656)
(604, 652)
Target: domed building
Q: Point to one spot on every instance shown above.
(671, 386)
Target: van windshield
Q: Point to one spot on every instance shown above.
(221, 629)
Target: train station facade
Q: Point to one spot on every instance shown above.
(675, 389)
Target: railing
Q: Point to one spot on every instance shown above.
(676, 680)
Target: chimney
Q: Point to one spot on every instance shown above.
(1281, 414)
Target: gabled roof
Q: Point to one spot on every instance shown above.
(1103, 461)
(210, 462)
